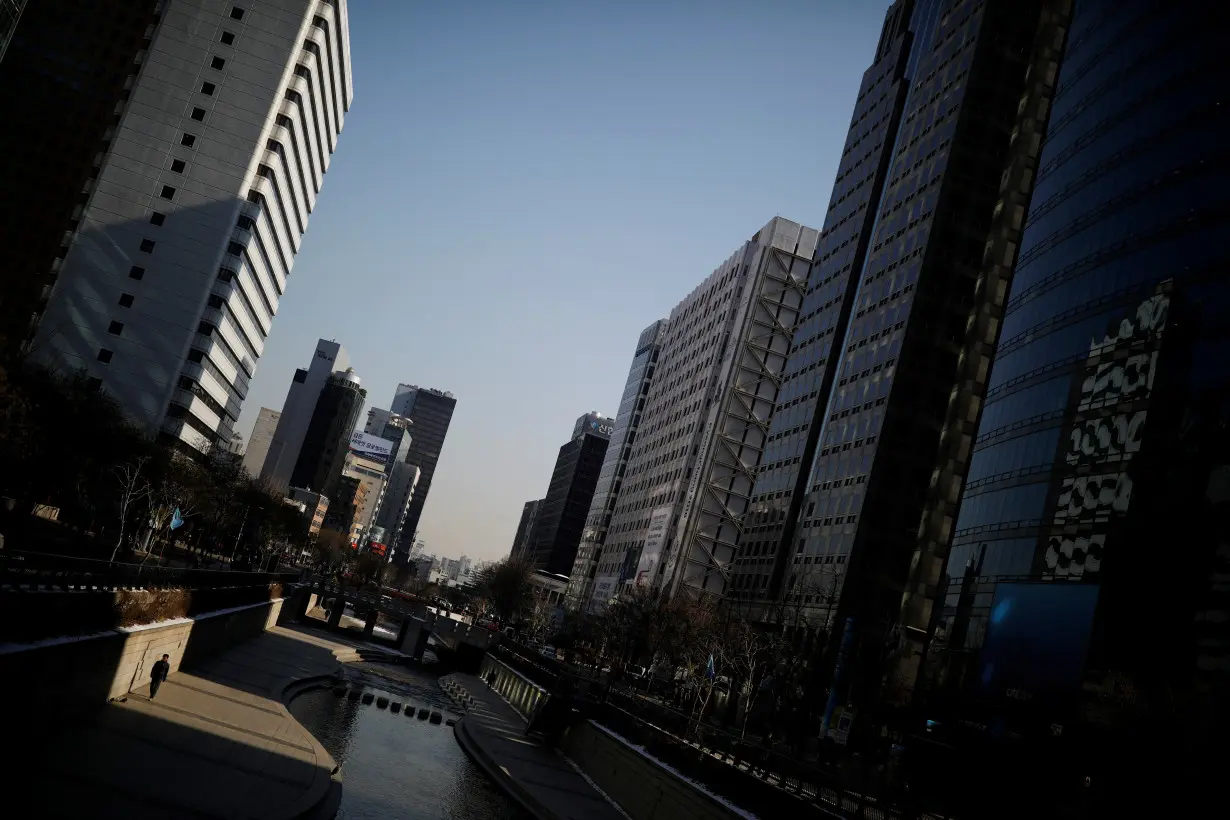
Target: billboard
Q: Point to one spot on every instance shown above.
(594, 424)
(365, 444)
(1038, 636)
(655, 539)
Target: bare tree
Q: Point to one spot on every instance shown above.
(749, 651)
(133, 490)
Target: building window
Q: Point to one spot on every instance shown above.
(147, 246)
(198, 114)
(125, 300)
(156, 218)
(187, 139)
(93, 384)
(115, 328)
(178, 166)
(217, 63)
(208, 89)
(136, 272)
(235, 249)
(168, 192)
(105, 355)
(236, 13)
(227, 38)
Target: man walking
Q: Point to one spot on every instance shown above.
(158, 674)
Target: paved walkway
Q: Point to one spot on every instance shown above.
(216, 743)
(543, 781)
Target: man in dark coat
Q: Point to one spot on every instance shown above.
(158, 674)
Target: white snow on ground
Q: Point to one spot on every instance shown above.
(700, 788)
(9, 648)
(390, 633)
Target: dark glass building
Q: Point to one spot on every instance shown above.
(66, 67)
(430, 412)
(327, 440)
(1086, 585)
(561, 517)
(525, 527)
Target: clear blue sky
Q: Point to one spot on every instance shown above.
(520, 187)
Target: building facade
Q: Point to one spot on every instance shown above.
(169, 282)
(560, 520)
(10, 13)
(583, 582)
(429, 412)
(326, 443)
(305, 387)
(1089, 553)
(689, 472)
(258, 443)
(525, 528)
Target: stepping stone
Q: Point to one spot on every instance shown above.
(423, 713)
(451, 722)
(436, 717)
(382, 703)
(394, 707)
(353, 694)
(368, 697)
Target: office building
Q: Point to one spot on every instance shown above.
(689, 473)
(557, 527)
(1089, 552)
(871, 452)
(63, 72)
(169, 282)
(429, 412)
(305, 387)
(583, 582)
(402, 478)
(316, 506)
(326, 442)
(525, 528)
(258, 443)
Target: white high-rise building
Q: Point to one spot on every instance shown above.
(259, 441)
(171, 280)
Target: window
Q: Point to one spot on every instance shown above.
(115, 328)
(227, 38)
(236, 13)
(168, 192)
(235, 248)
(198, 114)
(208, 89)
(217, 63)
(187, 139)
(156, 218)
(147, 246)
(136, 272)
(125, 300)
(177, 165)
(93, 384)
(105, 355)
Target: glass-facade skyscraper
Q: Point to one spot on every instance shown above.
(429, 412)
(560, 520)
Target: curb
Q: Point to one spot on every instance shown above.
(497, 775)
(319, 803)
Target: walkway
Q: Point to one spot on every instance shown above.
(216, 743)
(544, 782)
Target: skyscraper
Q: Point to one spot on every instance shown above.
(326, 442)
(10, 13)
(258, 443)
(583, 584)
(525, 528)
(689, 472)
(905, 365)
(171, 277)
(560, 520)
(305, 386)
(1088, 557)
(429, 412)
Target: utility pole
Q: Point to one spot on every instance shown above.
(239, 537)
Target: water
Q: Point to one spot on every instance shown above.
(396, 766)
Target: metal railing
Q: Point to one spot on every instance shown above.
(35, 570)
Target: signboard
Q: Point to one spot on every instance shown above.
(594, 424)
(365, 444)
(655, 539)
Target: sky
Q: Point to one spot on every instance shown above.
(520, 187)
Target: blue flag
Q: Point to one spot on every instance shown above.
(177, 520)
(710, 672)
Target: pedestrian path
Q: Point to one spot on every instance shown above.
(217, 742)
(544, 782)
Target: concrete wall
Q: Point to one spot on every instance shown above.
(641, 787)
(78, 674)
(522, 694)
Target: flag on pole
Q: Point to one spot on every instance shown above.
(710, 672)
(177, 520)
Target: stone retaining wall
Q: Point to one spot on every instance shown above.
(67, 676)
(521, 693)
(642, 787)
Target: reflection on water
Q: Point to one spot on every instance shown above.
(397, 766)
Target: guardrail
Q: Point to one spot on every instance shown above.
(33, 570)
